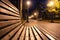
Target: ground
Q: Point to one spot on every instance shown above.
(47, 26)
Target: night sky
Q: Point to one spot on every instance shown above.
(34, 2)
(33, 6)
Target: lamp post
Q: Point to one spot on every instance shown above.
(28, 4)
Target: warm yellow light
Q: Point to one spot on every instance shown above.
(31, 16)
(35, 14)
(28, 3)
(50, 4)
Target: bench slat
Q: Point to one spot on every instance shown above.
(5, 30)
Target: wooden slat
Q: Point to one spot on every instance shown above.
(7, 17)
(10, 22)
(6, 30)
(5, 23)
(10, 4)
(50, 37)
(7, 12)
(41, 34)
(27, 35)
(22, 35)
(37, 36)
(31, 34)
(7, 7)
(8, 36)
(17, 34)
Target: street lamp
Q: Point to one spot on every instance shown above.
(28, 4)
(35, 13)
